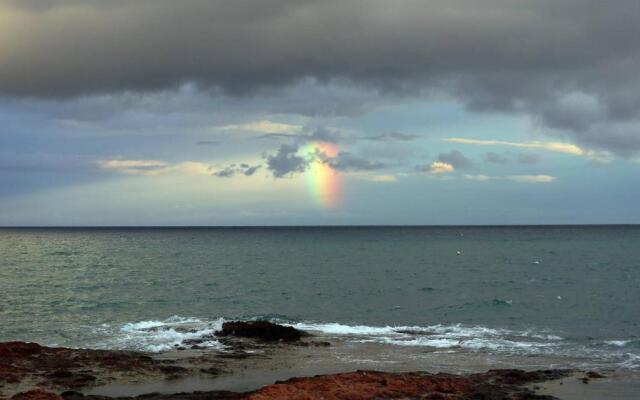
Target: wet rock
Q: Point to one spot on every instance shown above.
(36, 394)
(594, 375)
(69, 379)
(73, 368)
(519, 377)
(19, 349)
(70, 368)
(363, 385)
(211, 371)
(263, 330)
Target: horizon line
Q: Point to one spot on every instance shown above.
(313, 226)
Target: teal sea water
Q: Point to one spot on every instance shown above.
(525, 291)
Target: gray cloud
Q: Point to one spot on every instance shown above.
(528, 158)
(208, 143)
(405, 137)
(41, 162)
(285, 161)
(233, 169)
(319, 135)
(495, 158)
(455, 158)
(571, 65)
(346, 161)
(522, 158)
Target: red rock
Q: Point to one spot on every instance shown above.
(363, 385)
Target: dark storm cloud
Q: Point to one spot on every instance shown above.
(571, 65)
(233, 169)
(285, 161)
(455, 158)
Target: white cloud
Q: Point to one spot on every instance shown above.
(532, 178)
(132, 166)
(263, 126)
(439, 167)
(154, 167)
(380, 178)
(559, 147)
(480, 178)
(600, 157)
(514, 178)
(384, 178)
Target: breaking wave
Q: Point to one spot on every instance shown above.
(178, 332)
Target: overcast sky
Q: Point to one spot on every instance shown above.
(287, 112)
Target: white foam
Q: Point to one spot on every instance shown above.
(162, 335)
(157, 336)
(619, 343)
(339, 329)
(456, 336)
(632, 362)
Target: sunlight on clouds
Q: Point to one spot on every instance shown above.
(531, 178)
(514, 178)
(154, 167)
(143, 167)
(263, 126)
(380, 178)
(438, 167)
(479, 178)
(558, 147)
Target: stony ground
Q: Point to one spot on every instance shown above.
(29, 371)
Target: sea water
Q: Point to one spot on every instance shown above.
(568, 291)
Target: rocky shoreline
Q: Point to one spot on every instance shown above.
(29, 371)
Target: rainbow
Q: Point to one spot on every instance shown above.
(323, 181)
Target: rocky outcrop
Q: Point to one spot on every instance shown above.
(263, 330)
(71, 368)
(37, 394)
(369, 385)
(364, 385)
(59, 369)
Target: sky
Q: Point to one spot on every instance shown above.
(333, 112)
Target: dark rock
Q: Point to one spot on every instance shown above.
(211, 371)
(19, 349)
(70, 368)
(594, 375)
(36, 394)
(263, 330)
(172, 369)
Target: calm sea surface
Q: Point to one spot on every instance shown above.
(571, 291)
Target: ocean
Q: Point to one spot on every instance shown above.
(556, 295)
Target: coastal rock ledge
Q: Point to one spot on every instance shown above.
(35, 372)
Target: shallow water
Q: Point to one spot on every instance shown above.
(571, 292)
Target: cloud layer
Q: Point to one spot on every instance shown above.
(571, 65)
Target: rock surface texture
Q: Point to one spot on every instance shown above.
(35, 372)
